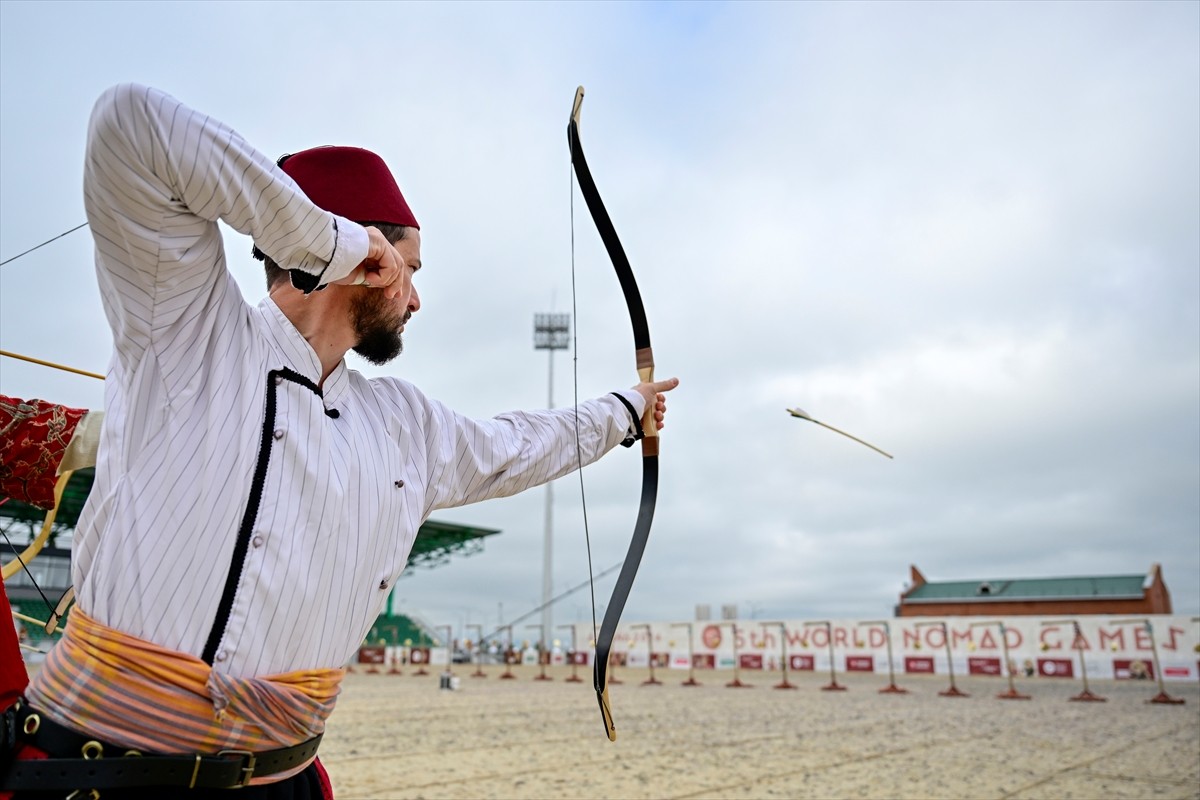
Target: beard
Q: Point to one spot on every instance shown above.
(377, 325)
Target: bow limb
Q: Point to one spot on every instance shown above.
(22, 559)
(645, 370)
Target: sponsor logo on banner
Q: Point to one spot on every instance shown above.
(860, 664)
(750, 660)
(982, 665)
(1132, 669)
(1176, 672)
(372, 655)
(711, 636)
(1056, 667)
(660, 659)
(704, 661)
(578, 657)
(918, 664)
(801, 662)
(418, 655)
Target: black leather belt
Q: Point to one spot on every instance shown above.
(101, 765)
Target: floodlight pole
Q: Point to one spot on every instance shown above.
(550, 332)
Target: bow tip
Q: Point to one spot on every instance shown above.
(606, 713)
(577, 104)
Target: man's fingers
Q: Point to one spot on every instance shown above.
(384, 263)
(665, 385)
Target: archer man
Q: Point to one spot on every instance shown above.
(255, 498)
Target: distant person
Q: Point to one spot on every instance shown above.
(255, 498)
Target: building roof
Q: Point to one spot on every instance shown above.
(1097, 587)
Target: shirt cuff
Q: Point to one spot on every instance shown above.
(636, 400)
(349, 250)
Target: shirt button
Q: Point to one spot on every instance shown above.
(399, 484)
(383, 584)
(221, 656)
(258, 541)
(278, 380)
(278, 434)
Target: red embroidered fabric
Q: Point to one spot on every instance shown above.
(13, 677)
(34, 434)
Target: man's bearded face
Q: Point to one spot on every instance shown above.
(377, 323)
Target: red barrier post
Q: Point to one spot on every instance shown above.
(736, 683)
(477, 650)
(1086, 696)
(1162, 698)
(833, 686)
(574, 655)
(691, 678)
(543, 655)
(1012, 693)
(783, 657)
(891, 688)
(651, 681)
(953, 691)
(508, 673)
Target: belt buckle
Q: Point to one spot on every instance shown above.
(247, 768)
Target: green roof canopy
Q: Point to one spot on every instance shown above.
(1103, 587)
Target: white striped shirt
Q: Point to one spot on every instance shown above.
(186, 398)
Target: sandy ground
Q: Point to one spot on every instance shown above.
(402, 737)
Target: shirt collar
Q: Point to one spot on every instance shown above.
(300, 355)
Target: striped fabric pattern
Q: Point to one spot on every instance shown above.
(344, 494)
(133, 693)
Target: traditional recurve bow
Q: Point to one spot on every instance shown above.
(645, 370)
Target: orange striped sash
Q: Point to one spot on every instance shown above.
(136, 694)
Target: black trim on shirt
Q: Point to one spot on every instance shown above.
(637, 432)
(242, 544)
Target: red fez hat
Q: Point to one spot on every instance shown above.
(350, 182)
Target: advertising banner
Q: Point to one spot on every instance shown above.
(860, 663)
(1113, 647)
(372, 654)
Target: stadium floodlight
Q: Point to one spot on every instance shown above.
(796, 412)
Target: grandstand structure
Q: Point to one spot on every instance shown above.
(436, 543)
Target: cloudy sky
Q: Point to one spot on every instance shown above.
(967, 233)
